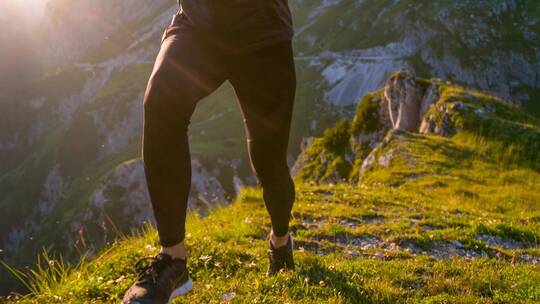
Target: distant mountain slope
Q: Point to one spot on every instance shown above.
(448, 215)
(490, 45)
(69, 140)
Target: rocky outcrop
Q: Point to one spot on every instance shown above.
(406, 105)
(125, 190)
(327, 159)
(415, 109)
(121, 202)
(403, 96)
(400, 106)
(408, 100)
(440, 120)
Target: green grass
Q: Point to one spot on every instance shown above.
(228, 253)
(404, 235)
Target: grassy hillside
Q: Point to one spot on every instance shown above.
(431, 219)
(369, 244)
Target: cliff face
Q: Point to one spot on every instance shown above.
(489, 45)
(66, 136)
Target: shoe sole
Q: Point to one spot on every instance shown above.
(182, 290)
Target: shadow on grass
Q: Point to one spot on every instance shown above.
(338, 281)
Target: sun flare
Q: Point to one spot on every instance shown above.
(24, 8)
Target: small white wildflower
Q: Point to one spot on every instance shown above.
(228, 296)
(205, 258)
(120, 279)
(150, 247)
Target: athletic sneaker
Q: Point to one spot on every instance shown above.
(160, 282)
(281, 258)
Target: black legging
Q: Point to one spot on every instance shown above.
(189, 67)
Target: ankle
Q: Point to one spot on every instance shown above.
(177, 251)
(279, 241)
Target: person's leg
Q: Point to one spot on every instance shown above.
(184, 73)
(265, 83)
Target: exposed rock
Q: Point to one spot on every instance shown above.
(497, 241)
(53, 192)
(431, 96)
(404, 97)
(528, 258)
(370, 246)
(124, 195)
(303, 158)
(357, 73)
(399, 107)
(126, 188)
(374, 156)
(445, 250)
(408, 100)
(384, 160)
(208, 189)
(440, 122)
(116, 133)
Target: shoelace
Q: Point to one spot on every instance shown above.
(151, 271)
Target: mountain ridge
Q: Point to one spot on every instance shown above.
(449, 215)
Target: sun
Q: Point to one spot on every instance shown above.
(25, 8)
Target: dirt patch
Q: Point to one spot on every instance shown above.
(528, 258)
(442, 250)
(315, 247)
(498, 242)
